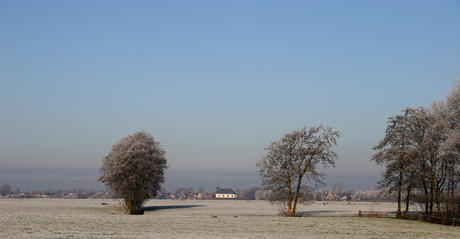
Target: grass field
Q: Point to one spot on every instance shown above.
(88, 218)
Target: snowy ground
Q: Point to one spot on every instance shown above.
(88, 218)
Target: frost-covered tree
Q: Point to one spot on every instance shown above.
(182, 192)
(134, 169)
(17, 192)
(239, 192)
(396, 151)
(337, 188)
(262, 194)
(444, 170)
(319, 195)
(251, 192)
(163, 191)
(5, 189)
(201, 190)
(207, 194)
(292, 162)
(350, 193)
(421, 151)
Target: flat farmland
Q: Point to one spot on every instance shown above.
(89, 218)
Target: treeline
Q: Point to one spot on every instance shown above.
(353, 194)
(251, 193)
(421, 151)
(7, 191)
(257, 193)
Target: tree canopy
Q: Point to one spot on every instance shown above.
(421, 151)
(134, 169)
(292, 162)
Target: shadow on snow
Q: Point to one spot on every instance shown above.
(310, 213)
(155, 208)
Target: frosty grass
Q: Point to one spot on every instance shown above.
(89, 218)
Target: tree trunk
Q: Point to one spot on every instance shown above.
(407, 202)
(426, 200)
(296, 196)
(431, 198)
(438, 202)
(398, 213)
(289, 197)
(130, 207)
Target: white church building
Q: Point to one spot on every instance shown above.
(225, 192)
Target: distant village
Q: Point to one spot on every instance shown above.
(250, 193)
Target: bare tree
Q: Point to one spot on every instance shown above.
(17, 192)
(206, 194)
(163, 191)
(239, 192)
(396, 151)
(5, 189)
(201, 190)
(134, 169)
(350, 193)
(182, 192)
(262, 194)
(337, 188)
(292, 162)
(251, 192)
(319, 195)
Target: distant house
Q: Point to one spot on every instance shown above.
(101, 195)
(191, 196)
(331, 197)
(225, 193)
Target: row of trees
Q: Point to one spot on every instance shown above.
(421, 151)
(353, 194)
(253, 192)
(134, 168)
(6, 190)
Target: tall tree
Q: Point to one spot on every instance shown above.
(421, 151)
(396, 151)
(292, 162)
(448, 132)
(134, 169)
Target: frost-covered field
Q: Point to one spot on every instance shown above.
(88, 218)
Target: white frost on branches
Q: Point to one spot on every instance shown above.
(134, 169)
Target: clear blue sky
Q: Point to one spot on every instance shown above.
(214, 81)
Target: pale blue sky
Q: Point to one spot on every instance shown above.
(214, 81)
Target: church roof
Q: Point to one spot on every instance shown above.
(225, 191)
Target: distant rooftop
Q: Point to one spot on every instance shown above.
(225, 191)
